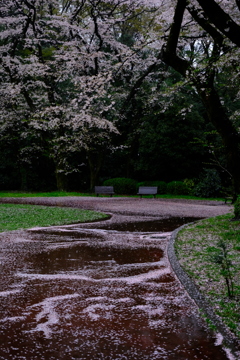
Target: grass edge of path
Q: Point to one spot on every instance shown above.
(17, 194)
(196, 245)
(25, 216)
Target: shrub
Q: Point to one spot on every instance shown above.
(209, 184)
(177, 188)
(122, 185)
(237, 209)
(162, 185)
(190, 185)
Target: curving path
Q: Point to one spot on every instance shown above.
(104, 290)
(134, 206)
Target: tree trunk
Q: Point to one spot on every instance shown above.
(61, 179)
(210, 98)
(23, 172)
(230, 137)
(95, 162)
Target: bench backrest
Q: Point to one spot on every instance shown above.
(104, 190)
(151, 190)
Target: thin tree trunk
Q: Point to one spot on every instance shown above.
(23, 172)
(61, 179)
(95, 162)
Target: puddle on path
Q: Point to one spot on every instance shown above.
(162, 225)
(94, 294)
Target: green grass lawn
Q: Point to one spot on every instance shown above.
(64, 193)
(197, 247)
(41, 194)
(14, 217)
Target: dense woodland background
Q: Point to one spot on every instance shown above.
(94, 90)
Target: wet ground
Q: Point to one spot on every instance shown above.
(98, 291)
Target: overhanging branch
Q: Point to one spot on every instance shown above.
(169, 51)
(221, 20)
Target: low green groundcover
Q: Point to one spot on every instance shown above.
(209, 252)
(20, 216)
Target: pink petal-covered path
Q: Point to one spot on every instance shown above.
(103, 290)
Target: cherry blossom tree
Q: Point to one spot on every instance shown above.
(70, 69)
(60, 61)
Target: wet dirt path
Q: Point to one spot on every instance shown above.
(98, 291)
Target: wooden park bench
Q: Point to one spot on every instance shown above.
(228, 195)
(147, 190)
(105, 190)
(228, 198)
